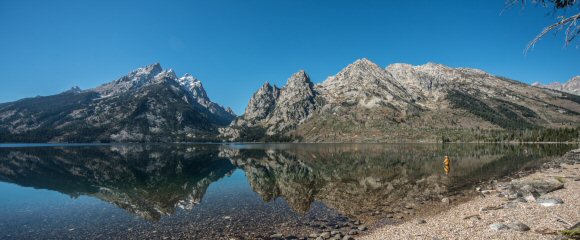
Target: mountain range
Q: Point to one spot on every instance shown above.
(571, 86)
(362, 103)
(367, 103)
(147, 105)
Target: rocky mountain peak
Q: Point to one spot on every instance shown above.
(299, 80)
(361, 65)
(193, 85)
(149, 70)
(133, 80)
(75, 89)
(262, 103)
(166, 74)
(573, 85)
(363, 62)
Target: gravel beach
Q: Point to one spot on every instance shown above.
(536, 206)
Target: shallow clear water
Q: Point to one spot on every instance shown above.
(213, 191)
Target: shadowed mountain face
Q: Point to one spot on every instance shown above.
(357, 180)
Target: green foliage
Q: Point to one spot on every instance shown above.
(571, 97)
(512, 135)
(252, 134)
(504, 116)
(258, 134)
(572, 234)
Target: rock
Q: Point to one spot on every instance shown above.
(362, 228)
(445, 200)
(276, 236)
(347, 237)
(325, 235)
(357, 223)
(313, 235)
(408, 207)
(514, 196)
(518, 226)
(353, 232)
(421, 221)
(536, 187)
(531, 195)
(498, 226)
(510, 205)
(549, 202)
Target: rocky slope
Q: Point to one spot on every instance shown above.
(571, 86)
(365, 102)
(148, 104)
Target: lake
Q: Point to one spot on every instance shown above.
(240, 191)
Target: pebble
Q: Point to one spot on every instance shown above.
(549, 202)
(445, 200)
(498, 226)
(347, 237)
(362, 228)
(421, 221)
(518, 226)
(277, 235)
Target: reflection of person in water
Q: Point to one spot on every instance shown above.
(447, 164)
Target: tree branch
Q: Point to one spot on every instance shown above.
(571, 31)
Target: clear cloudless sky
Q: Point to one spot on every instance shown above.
(234, 46)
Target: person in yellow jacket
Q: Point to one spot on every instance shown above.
(447, 165)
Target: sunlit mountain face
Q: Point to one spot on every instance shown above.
(254, 186)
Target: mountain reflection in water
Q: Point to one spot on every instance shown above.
(152, 181)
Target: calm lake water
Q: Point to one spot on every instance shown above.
(213, 191)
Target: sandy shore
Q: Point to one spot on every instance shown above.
(468, 221)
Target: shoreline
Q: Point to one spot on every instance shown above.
(16, 144)
(516, 207)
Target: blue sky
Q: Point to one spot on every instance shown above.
(235, 46)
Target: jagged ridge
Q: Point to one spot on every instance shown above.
(365, 102)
